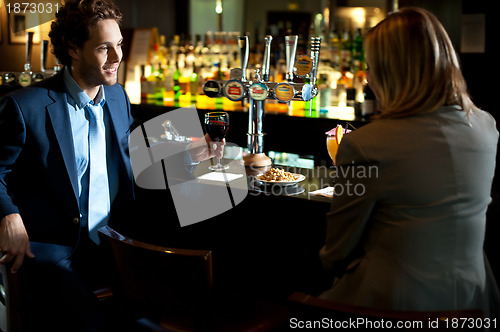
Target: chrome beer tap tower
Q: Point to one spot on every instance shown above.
(259, 89)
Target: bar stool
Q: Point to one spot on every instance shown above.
(170, 289)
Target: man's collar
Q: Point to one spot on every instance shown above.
(80, 98)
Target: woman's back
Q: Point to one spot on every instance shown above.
(424, 238)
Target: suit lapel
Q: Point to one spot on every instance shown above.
(121, 126)
(59, 117)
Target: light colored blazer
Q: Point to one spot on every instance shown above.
(407, 223)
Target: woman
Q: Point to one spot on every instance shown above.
(407, 223)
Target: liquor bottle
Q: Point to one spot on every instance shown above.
(344, 84)
(194, 84)
(169, 82)
(369, 105)
(207, 51)
(144, 85)
(324, 91)
(174, 47)
(177, 87)
(358, 52)
(151, 83)
(218, 74)
(163, 51)
(186, 71)
(159, 83)
(346, 51)
(198, 45)
(359, 81)
(335, 48)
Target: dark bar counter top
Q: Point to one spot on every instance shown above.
(265, 246)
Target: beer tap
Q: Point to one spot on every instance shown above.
(37, 77)
(258, 92)
(43, 55)
(266, 63)
(290, 49)
(244, 48)
(235, 88)
(315, 46)
(259, 89)
(25, 77)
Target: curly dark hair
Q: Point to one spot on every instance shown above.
(74, 23)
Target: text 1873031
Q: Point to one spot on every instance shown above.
(31, 7)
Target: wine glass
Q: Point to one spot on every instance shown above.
(217, 125)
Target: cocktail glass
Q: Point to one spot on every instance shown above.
(333, 139)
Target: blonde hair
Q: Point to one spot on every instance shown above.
(413, 65)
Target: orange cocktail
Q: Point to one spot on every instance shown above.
(333, 139)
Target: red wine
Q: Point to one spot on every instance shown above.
(217, 130)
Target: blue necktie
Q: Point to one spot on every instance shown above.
(99, 202)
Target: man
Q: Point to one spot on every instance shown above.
(55, 191)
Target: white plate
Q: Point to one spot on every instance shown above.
(299, 177)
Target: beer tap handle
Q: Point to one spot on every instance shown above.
(315, 46)
(244, 52)
(43, 55)
(29, 48)
(266, 63)
(25, 78)
(290, 48)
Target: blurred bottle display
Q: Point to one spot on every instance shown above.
(177, 70)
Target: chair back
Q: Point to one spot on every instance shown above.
(10, 312)
(306, 307)
(152, 279)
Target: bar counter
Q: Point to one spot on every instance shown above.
(266, 246)
(292, 132)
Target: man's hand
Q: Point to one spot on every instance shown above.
(205, 148)
(14, 241)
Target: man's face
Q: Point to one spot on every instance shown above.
(98, 60)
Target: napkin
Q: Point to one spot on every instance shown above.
(220, 176)
(326, 192)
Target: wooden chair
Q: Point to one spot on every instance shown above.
(172, 289)
(10, 313)
(307, 308)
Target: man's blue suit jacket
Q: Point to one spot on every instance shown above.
(38, 176)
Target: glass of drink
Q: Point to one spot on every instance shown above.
(217, 125)
(333, 138)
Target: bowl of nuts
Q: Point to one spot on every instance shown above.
(280, 176)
